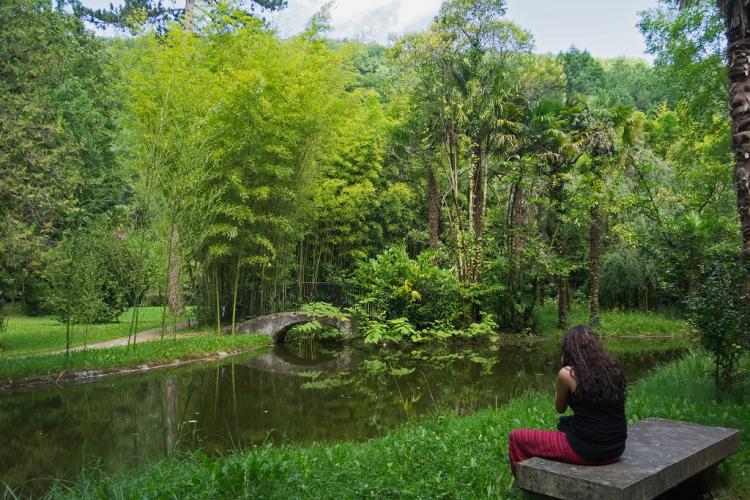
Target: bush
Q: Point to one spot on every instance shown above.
(721, 313)
(393, 286)
(88, 279)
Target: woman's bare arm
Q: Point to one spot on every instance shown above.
(565, 385)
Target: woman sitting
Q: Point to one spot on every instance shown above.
(591, 382)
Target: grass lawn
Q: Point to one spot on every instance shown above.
(37, 334)
(154, 352)
(448, 456)
(613, 322)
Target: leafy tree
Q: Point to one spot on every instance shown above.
(722, 314)
(585, 75)
(132, 14)
(460, 82)
(57, 106)
(74, 282)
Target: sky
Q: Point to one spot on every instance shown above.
(606, 28)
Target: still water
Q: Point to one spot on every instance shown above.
(290, 394)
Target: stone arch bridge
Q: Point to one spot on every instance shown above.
(276, 325)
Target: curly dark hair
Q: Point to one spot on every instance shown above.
(597, 373)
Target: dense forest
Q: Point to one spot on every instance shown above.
(446, 185)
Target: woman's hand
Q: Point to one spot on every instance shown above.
(565, 385)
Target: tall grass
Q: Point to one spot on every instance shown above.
(447, 456)
(613, 322)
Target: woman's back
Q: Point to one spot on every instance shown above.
(598, 429)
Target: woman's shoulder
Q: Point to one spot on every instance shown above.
(567, 377)
(566, 372)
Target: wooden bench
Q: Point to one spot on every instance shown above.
(659, 455)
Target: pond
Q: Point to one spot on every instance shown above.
(288, 395)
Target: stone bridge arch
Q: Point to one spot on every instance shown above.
(276, 325)
(274, 362)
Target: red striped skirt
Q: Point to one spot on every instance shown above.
(527, 443)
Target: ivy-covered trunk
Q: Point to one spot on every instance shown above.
(517, 240)
(594, 259)
(433, 207)
(478, 207)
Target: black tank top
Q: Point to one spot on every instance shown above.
(595, 431)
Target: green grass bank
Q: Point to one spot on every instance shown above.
(448, 456)
(613, 322)
(28, 335)
(153, 353)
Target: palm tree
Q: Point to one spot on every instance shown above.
(736, 15)
(737, 19)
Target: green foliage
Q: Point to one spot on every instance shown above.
(322, 310)
(393, 286)
(58, 99)
(688, 42)
(73, 282)
(88, 279)
(135, 15)
(316, 330)
(720, 310)
(487, 327)
(3, 327)
(585, 75)
(628, 280)
(403, 299)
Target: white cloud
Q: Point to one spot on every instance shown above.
(369, 19)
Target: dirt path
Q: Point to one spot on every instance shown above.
(144, 336)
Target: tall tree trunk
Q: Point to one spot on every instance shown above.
(67, 337)
(738, 51)
(477, 204)
(562, 302)
(594, 259)
(218, 298)
(174, 283)
(452, 147)
(234, 296)
(557, 193)
(433, 207)
(188, 15)
(480, 193)
(517, 221)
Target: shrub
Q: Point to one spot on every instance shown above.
(393, 286)
(87, 278)
(721, 313)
